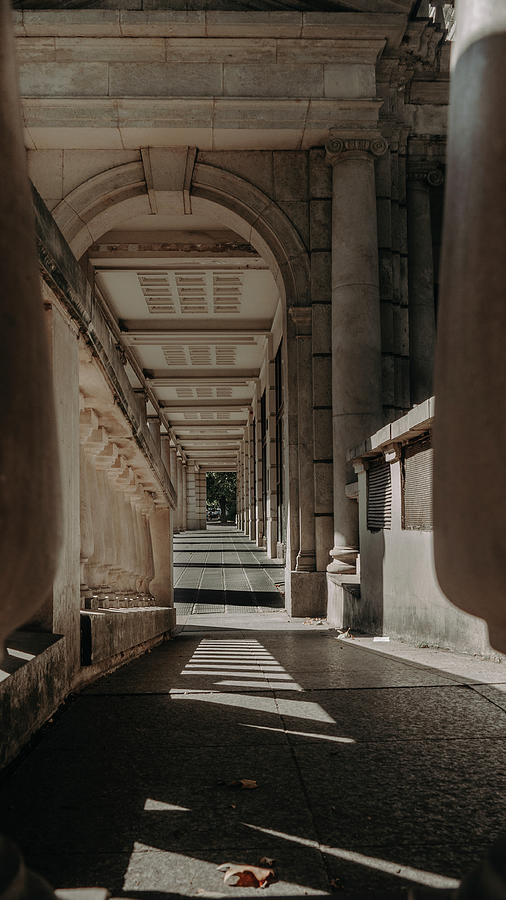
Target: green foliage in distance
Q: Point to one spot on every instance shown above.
(222, 492)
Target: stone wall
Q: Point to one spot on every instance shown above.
(399, 595)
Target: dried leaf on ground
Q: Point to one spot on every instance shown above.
(315, 621)
(247, 876)
(265, 861)
(344, 634)
(242, 784)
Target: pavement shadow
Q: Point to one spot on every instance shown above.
(373, 773)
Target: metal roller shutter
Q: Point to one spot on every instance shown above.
(417, 485)
(379, 496)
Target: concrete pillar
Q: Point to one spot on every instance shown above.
(251, 500)
(356, 330)
(386, 281)
(470, 377)
(244, 489)
(184, 502)
(306, 556)
(31, 506)
(85, 521)
(96, 560)
(165, 451)
(272, 500)
(260, 537)
(161, 585)
(422, 317)
(173, 478)
(179, 508)
(154, 430)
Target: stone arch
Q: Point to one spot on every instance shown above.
(100, 203)
(106, 200)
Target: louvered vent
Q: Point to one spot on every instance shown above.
(157, 292)
(227, 290)
(379, 496)
(184, 393)
(174, 355)
(417, 485)
(200, 355)
(225, 356)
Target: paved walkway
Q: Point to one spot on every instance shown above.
(220, 570)
(378, 766)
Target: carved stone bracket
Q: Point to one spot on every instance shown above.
(339, 145)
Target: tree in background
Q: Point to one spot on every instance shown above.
(222, 490)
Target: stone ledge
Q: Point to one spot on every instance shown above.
(343, 600)
(107, 633)
(416, 421)
(32, 686)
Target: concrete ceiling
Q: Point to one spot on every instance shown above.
(195, 324)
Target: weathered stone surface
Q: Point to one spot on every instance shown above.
(165, 79)
(107, 633)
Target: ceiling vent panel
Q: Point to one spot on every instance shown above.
(226, 355)
(174, 355)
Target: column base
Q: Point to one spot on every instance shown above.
(161, 589)
(305, 562)
(344, 561)
(306, 594)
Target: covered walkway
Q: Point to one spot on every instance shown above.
(378, 766)
(220, 570)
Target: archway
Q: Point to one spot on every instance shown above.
(115, 197)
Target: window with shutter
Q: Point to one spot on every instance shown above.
(379, 496)
(417, 485)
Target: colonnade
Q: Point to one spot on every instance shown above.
(126, 539)
(257, 506)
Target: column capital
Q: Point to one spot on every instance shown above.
(342, 144)
(425, 173)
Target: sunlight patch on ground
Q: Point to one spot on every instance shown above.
(419, 876)
(306, 734)
(161, 806)
(242, 658)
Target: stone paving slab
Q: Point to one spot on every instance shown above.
(406, 792)
(376, 770)
(176, 721)
(408, 714)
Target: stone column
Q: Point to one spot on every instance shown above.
(179, 508)
(244, 497)
(306, 557)
(469, 432)
(85, 522)
(165, 451)
(260, 537)
(422, 317)
(252, 511)
(31, 506)
(161, 539)
(184, 500)
(272, 505)
(356, 330)
(173, 478)
(154, 429)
